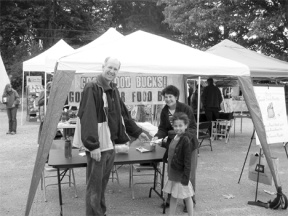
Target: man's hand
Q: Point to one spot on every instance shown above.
(96, 154)
(143, 137)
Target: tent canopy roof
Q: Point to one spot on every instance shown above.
(4, 79)
(142, 52)
(46, 61)
(109, 36)
(259, 64)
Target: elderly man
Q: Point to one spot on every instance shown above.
(104, 122)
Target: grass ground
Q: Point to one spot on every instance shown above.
(217, 175)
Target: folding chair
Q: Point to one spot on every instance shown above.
(221, 128)
(204, 134)
(140, 168)
(63, 173)
(114, 174)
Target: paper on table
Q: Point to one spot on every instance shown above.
(83, 154)
(143, 150)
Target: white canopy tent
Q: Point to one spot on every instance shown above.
(109, 36)
(4, 79)
(45, 62)
(260, 65)
(141, 52)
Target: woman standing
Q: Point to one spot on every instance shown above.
(11, 99)
(165, 129)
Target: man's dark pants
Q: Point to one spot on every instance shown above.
(211, 115)
(98, 173)
(12, 112)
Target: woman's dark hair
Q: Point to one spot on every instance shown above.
(171, 90)
(181, 116)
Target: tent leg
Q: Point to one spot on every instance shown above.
(22, 102)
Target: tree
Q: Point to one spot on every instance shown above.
(129, 16)
(260, 25)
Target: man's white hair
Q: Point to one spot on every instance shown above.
(108, 58)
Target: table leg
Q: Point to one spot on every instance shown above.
(162, 185)
(131, 181)
(60, 194)
(234, 125)
(241, 124)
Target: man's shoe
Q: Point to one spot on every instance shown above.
(8, 132)
(12, 133)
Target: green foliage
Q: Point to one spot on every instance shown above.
(129, 16)
(260, 25)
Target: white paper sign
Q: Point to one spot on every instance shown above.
(33, 80)
(272, 105)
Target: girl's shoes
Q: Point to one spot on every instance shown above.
(167, 205)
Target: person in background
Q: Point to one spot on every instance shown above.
(179, 165)
(11, 99)
(211, 99)
(194, 102)
(190, 92)
(165, 130)
(105, 121)
(41, 100)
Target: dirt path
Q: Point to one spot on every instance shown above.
(217, 175)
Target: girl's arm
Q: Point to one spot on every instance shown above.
(187, 161)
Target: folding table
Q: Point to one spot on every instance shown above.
(58, 161)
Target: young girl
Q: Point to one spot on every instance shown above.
(179, 165)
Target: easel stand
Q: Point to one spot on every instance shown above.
(252, 137)
(258, 170)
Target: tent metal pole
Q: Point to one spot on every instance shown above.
(22, 102)
(45, 96)
(198, 106)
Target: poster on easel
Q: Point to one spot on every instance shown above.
(271, 100)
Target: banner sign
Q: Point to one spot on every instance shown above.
(33, 80)
(272, 105)
(135, 89)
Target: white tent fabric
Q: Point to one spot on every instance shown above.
(109, 36)
(46, 61)
(259, 64)
(142, 52)
(4, 79)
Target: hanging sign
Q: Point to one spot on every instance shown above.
(273, 108)
(135, 89)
